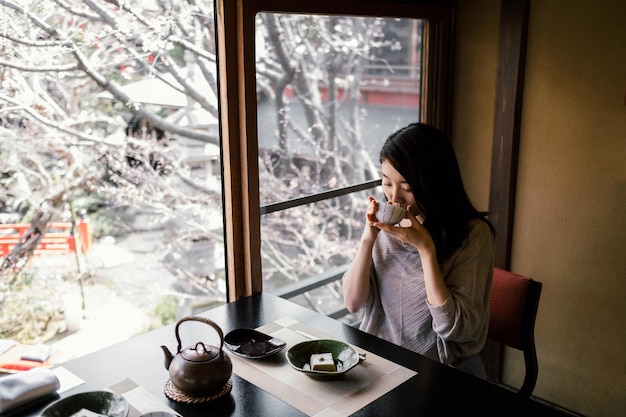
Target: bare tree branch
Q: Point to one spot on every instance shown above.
(55, 68)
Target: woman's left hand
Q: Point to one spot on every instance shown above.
(415, 235)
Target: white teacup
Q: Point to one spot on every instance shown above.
(389, 213)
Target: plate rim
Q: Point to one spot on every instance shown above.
(265, 354)
(45, 412)
(318, 373)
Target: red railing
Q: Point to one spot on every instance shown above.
(57, 240)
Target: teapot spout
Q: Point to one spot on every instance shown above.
(168, 357)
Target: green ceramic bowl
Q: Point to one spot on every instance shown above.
(101, 402)
(345, 357)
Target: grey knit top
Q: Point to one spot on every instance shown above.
(397, 309)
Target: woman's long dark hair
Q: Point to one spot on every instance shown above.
(426, 160)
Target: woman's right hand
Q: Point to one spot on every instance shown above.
(356, 280)
(371, 232)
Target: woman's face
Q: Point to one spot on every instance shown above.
(397, 190)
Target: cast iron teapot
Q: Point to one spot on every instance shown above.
(198, 370)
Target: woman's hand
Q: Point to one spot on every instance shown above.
(415, 235)
(370, 233)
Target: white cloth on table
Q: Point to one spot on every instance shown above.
(21, 388)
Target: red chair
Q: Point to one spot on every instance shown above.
(513, 310)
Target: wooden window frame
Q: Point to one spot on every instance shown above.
(235, 22)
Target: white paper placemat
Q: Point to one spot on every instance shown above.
(363, 384)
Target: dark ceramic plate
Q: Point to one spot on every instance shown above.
(345, 357)
(102, 402)
(252, 344)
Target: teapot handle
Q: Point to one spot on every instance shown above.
(202, 320)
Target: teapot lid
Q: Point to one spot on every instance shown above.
(199, 353)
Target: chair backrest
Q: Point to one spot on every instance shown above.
(513, 310)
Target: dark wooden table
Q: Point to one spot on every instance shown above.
(436, 390)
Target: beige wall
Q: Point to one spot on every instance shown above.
(570, 221)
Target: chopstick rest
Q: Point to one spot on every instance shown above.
(24, 387)
(37, 353)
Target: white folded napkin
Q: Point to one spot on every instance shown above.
(21, 388)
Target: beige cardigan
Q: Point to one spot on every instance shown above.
(396, 309)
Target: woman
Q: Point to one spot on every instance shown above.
(425, 286)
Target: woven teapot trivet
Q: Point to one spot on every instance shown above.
(177, 395)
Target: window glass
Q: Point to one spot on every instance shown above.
(330, 90)
(109, 169)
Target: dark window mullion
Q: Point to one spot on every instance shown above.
(313, 198)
